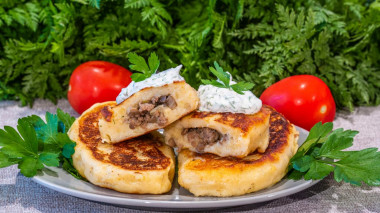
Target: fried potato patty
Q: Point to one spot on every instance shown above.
(223, 134)
(143, 165)
(211, 175)
(147, 110)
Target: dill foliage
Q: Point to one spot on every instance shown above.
(259, 41)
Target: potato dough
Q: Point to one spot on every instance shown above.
(239, 134)
(114, 124)
(211, 175)
(141, 165)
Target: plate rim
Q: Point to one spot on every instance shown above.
(179, 204)
(171, 204)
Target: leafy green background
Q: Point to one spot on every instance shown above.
(260, 41)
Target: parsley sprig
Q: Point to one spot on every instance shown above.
(322, 154)
(224, 80)
(139, 64)
(37, 144)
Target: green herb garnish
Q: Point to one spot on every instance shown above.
(322, 154)
(37, 144)
(139, 64)
(224, 80)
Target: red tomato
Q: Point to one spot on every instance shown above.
(94, 82)
(303, 99)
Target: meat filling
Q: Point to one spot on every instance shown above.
(144, 113)
(199, 138)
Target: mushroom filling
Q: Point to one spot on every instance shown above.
(201, 137)
(145, 113)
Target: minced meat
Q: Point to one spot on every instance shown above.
(201, 137)
(143, 115)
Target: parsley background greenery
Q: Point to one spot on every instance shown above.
(259, 41)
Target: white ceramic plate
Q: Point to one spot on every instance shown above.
(177, 198)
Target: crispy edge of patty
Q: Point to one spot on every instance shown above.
(211, 175)
(86, 132)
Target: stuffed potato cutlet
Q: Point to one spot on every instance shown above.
(211, 175)
(147, 110)
(140, 165)
(223, 134)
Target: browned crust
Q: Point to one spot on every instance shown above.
(106, 113)
(241, 121)
(279, 130)
(123, 154)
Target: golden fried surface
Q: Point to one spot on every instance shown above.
(211, 175)
(241, 134)
(244, 122)
(141, 165)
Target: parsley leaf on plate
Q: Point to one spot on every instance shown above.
(359, 166)
(322, 153)
(66, 120)
(22, 147)
(224, 80)
(318, 170)
(139, 64)
(49, 159)
(37, 144)
(67, 165)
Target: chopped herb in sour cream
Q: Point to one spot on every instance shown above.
(156, 80)
(225, 95)
(215, 99)
(146, 76)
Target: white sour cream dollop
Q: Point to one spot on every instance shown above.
(215, 99)
(156, 80)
